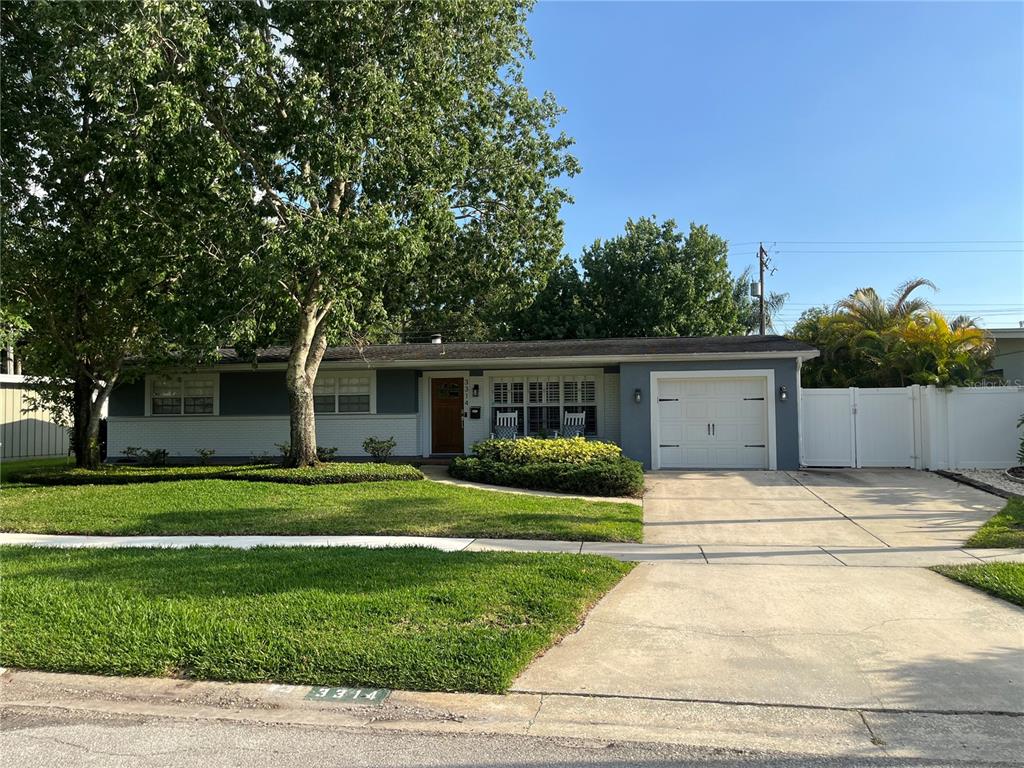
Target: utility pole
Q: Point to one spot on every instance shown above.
(762, 257)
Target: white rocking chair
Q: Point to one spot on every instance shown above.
(574, 424)
(506, 426)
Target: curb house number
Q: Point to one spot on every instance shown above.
(349, 695)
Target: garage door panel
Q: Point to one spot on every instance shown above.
(697, 409)
(736, 406)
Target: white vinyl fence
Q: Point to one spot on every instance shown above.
(919, 427)
(27, 432)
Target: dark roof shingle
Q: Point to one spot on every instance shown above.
(510, 350)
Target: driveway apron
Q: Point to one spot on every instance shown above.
(803, 633)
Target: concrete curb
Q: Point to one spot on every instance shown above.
(793, 730)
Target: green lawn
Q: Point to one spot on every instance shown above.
(405, 618)
(1005, 580)
(230, 507)
(1005, 529)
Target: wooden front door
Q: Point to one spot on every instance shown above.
(446, 403)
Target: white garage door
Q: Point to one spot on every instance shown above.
(711, 423)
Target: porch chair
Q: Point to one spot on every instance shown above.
(506, 426)
(573, 424)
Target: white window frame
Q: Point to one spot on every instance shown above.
(544, 376)
(371, 378)
(153, 378)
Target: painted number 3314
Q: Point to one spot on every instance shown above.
(348, 694)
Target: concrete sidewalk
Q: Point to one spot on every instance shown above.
(691, 554)
(53, 699)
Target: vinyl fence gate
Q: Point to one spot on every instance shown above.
(916, 426)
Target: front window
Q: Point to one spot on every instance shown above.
(541, 402)
(184, 395)
(341, 394)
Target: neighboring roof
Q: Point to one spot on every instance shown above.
(610, 349)
(1006, 333)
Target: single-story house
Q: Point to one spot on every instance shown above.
(1008, 354)
(700, 402)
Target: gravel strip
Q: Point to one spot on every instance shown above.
(992, 480)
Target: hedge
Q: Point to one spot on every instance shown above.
(325, 473)
(532, 450)
(619, 477)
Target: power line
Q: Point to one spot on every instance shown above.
(929, 251)
(882, 242)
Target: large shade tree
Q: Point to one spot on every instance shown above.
(655, 281)
(106, 175)
(397, 163)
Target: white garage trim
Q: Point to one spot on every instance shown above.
(767, 374)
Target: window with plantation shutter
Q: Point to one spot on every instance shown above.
(541, 402)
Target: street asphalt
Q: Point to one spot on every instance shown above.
(56, 738)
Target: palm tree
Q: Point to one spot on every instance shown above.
(748, 309)
(867, 310)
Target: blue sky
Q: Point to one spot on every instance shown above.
(804, 122)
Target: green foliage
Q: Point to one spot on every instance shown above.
(569, 465)
(205, 454)
(620, 477)
(654, 281)
(1005, 529)
(154, 457)
(325, 453)
(559, 309)
(1020, 448)
(748, 308)
(108, 175)
(564, 450)
(379, 449)
(413, 619)
(326, 473)
(866, 341)
(1004, 580)
(195, 505)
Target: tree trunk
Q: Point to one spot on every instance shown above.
(303, 364)
(85, 430)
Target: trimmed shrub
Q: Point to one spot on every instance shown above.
(329, 473)
(618, 477)
(379, 449)
(561, 450)
(335, 472)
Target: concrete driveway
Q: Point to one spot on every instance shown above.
(890, 638)
(757, 624)
(828, 508)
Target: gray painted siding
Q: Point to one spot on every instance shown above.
(253, 393)
(128, 399)
(636, 419)
(263, 393)
(397, 391)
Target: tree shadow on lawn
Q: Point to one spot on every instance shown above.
(307, 511)
(217, 572)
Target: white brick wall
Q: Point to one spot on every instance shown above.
(256, 435)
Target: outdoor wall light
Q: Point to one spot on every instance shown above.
(637, 394)
(783, 394)
(476, 390)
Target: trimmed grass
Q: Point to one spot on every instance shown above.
(125, 474)
(12, 471)
(229, 507)
(411, 619)
(1006, 529)
(1005, 580)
